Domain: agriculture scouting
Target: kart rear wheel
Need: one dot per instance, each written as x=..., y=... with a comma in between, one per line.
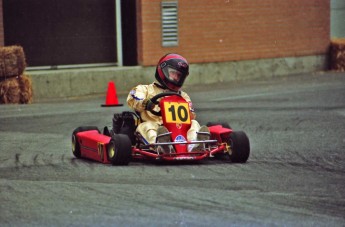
x=75, y=143
x=240, y=147
x=119, y=149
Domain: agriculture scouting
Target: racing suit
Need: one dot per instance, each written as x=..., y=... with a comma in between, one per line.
x=150, y=123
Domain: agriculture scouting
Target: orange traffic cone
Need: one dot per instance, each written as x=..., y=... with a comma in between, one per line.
x=111, y=99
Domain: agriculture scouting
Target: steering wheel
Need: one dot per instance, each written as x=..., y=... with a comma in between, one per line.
x=155, y=98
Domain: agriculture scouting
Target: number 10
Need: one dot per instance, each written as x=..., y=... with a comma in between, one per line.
x=181, y=113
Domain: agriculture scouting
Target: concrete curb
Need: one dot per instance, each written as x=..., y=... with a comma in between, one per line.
x=68, y=83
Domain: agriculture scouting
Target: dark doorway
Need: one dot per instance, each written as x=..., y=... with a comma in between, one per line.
x=129, y=32
x=62, y=32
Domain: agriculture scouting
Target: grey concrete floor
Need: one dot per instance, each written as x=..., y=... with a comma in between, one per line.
x=295, y=175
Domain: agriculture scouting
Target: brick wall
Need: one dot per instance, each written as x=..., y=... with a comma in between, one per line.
x=2, y=39
x=230, y=30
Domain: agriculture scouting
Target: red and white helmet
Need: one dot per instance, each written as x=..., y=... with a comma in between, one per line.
x=171, y=71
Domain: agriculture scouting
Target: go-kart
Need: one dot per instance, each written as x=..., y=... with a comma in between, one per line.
x=121, y=143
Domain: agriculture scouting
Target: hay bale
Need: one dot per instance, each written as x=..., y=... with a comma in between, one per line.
x=16, y=90
x=337, y=52
x=12, y=61
x=25, y=86
x=9, y=91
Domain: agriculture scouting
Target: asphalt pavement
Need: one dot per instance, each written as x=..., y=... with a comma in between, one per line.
x=295, y=175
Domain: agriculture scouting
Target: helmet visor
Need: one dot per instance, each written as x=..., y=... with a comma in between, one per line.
x=174, y=76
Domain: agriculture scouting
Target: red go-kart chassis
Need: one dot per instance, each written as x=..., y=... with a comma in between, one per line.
x=94, y=145
x=117, y=149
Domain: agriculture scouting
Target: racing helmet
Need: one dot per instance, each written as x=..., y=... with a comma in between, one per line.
x=171, y=71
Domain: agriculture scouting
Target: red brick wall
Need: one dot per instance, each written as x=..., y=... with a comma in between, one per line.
x=2, y=39
x=229, y=30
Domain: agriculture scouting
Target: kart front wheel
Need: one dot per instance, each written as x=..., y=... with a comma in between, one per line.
x=119, y=149
x=240, y=147
x=75, y=142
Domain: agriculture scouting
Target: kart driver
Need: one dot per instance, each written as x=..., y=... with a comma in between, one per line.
x=171, y=72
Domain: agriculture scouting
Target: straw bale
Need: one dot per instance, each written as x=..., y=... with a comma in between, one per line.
x=12, y=61
x=16, y=90
x=9, y=91
x=25, y=86
x=337, y=55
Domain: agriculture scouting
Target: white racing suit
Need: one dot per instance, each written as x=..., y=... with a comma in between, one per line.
x=150, y=123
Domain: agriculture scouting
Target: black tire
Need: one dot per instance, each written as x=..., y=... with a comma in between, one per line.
x=240, y=147
x=224, y=124
x=75, y=143
x=119, y=149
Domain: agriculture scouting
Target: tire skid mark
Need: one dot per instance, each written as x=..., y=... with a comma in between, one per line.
x=63, y=158
x=51, y=161
x=331, y=161
x=18, y=161
x=36, y=160
x=55, y=161
x=319, y=162
x=287, y=159
x=4, y=160
x=74, y=162
x=80, y=163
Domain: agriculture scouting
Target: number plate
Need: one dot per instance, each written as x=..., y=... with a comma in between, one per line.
x=177, y=112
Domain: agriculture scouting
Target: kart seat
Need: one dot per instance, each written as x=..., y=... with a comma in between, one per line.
x=126, y=123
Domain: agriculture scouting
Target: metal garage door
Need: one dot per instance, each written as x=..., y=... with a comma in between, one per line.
x=62, y=32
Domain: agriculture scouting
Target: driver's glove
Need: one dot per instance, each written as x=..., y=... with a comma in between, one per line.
x=148, y=104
